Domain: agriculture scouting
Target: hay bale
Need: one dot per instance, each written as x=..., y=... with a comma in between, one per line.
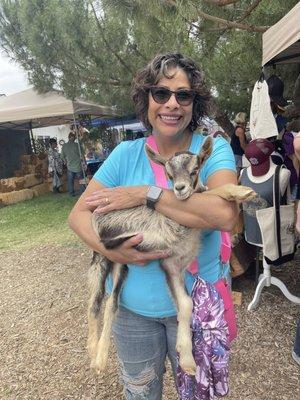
x=19, y=183
x=18, y=172
x=34, y=164
x=40, y=189
x=16, y=196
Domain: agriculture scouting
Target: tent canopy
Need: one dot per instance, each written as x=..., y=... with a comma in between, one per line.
x=31, y=109
x=281, y=42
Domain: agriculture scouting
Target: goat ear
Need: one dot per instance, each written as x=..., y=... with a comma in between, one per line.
x=155, y=157
x=206, y=150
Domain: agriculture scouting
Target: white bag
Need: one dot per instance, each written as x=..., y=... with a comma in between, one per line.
x=277, y=226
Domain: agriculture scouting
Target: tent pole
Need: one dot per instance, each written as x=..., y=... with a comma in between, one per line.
x=32, y=138
x=79, y=149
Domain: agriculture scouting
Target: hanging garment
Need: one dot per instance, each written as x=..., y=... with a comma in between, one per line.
x=210, y=347
x=264, y=199
x=262, y=121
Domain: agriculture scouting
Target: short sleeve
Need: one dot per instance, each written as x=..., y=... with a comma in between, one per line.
x=222, y=158
x=109, y=172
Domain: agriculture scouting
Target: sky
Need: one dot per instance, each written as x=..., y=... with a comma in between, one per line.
x=13, y=78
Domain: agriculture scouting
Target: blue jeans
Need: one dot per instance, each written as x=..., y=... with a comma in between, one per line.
x=71, y=178
x=143, y=344
x=297, y=340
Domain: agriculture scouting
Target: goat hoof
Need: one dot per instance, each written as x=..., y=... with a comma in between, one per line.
x=241, y=193
x=188, y=365
x=101, y=361
x=96, y=367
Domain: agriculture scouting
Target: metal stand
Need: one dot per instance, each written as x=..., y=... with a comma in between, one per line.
x=266, y=279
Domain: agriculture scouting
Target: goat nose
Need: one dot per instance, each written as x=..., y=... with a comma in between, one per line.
x=179, y=186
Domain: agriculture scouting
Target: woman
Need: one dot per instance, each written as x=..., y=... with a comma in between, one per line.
x=238, y=139
x=55, y=165
x=170, y=98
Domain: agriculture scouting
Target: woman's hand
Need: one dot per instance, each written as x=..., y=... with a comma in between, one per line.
x=127, y=254
x=118, y=198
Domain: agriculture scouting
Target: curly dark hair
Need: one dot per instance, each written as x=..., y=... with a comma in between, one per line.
x=160, y=67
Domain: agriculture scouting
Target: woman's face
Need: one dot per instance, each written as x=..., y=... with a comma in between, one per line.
x=170, y=119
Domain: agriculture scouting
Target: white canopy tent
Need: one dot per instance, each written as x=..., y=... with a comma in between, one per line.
x=281, y=42
x=29, y=109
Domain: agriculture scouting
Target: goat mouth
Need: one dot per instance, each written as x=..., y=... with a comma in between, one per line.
x=182, y=196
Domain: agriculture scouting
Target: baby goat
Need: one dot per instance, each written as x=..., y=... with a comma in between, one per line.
x=159, y=233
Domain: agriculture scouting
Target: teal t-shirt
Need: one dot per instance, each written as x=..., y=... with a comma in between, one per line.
x=145, y=289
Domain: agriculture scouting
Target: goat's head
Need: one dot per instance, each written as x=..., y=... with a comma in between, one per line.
x=183, y=168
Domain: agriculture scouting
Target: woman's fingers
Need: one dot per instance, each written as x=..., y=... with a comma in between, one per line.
x=133, y=241
x=142, y=257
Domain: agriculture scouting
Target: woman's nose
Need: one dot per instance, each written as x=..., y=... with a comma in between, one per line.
x=172, y=102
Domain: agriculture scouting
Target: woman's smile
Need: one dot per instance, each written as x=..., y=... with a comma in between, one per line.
x=170, y=119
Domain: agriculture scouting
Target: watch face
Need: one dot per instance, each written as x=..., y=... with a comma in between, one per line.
x=154, y=192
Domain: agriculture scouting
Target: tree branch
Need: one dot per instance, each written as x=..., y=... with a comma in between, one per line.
x=249, y=10
x=120, y=59
x=232, y=24
x=221, y=3
x=223, y=22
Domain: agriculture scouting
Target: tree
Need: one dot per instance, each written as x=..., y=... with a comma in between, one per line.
x=93, y=48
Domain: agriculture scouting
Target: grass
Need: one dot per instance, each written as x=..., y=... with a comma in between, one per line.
x=42, y=220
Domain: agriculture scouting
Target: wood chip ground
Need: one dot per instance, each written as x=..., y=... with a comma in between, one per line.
x=43, y=329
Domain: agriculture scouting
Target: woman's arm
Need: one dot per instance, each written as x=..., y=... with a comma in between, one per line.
x=201, y=210
x=80, y=222
x=240, y=133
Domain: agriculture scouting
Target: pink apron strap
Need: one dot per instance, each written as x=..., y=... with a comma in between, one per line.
x=161, y=181
x=158, y=170
x=225, y=247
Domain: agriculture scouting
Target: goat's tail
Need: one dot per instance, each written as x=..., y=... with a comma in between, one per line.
x=98, y=272
x=111, y=308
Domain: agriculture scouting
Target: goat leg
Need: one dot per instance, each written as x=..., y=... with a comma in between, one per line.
x=111, y=307
x=233, y=192
x=184, y=303
x=98, y=272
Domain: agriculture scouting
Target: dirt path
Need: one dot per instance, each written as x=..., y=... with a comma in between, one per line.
x=43, y=332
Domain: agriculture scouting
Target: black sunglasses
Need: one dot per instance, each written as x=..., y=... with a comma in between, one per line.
x=161, y=95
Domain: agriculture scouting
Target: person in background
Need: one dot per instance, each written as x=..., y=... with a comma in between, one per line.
x=72, y=157
x=92, y=155
x=55, y=165
x=238, y=139
x=278, y=102
x=296, y=349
